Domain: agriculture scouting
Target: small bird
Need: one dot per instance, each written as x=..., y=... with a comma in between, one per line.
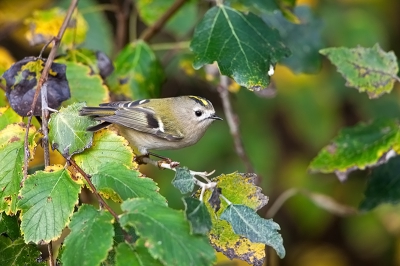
x=156, y=124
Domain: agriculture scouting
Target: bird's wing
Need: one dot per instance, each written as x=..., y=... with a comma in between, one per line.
x=144, y=120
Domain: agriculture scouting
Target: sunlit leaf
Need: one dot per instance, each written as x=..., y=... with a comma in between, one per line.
x=67, y=130
x=239, y=189
x=44, y=25
x=6, y=60
x=125, y=183
x=358, y=147
x=8, y=116
x=367, y=69
x=138, y=73
x=85, y=85
x=166, y=233
x=47, y=201
x=243, y=45
x=90, y=238
x=107, y=148
x=12, y=154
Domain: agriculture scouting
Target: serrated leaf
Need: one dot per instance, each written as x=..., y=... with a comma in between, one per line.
x=383, y=185
x=361, y=146
x=22, y=79
x=12, y=154
x=9, y=225
x=47, y=201
x=8, y=116
x=134, y=256
x=138, y=73
x=19, y=253
x=166, y=233
x=85, y=85
x=126, y=183
x=198, y=216
x=239, y=189
x=107, y=148
x=243, y=46
x=246, y=222
x=67, y=130
x=44, y=25
x=303, y=39
x=183, y=180
x=367, y=69
x=90, y=239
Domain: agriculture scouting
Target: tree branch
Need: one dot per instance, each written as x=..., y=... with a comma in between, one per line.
x=43, y=78
x=151, y=31
x=231, y=118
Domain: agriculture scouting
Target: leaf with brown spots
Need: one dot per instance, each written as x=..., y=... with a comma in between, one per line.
x=367, y=69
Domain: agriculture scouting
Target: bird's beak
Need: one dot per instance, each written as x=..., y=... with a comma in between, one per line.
x=215, y=117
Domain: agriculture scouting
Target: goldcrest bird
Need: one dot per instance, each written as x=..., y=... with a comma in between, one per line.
x=156, y=124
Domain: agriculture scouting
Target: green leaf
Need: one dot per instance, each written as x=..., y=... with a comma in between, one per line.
x=166, y=233
x=259, y=5
x=9, y=225
x=12, y=154
x=47, y=201
x=107, y=148
x=138, y=73
x=239, y=189
x=126, y=183
x=134, y=256
x=67, y=130
x=180, y=23
x=383, y=185
x=19, y=253
x=303, y=39
x=90, y=239
x=85, y=86
x=246, y=222
x=367, y=69
x=98, y=62
x=198, y=216
x=8, y=116
x=243, y=46
x=183, y=180
x=361, y=146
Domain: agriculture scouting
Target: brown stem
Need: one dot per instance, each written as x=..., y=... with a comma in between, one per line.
x=50, y=250
x=121, y=16
x=56, y=43
x=45, y=128
x=94, y=190
x=2, y=86
x=231, y=118
x=151, y=31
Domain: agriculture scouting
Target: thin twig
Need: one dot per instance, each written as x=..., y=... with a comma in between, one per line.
x=151, y=31
x=231, y=118
x=45, y=128
x=122, y=18
x=43, y=79
x=50, y=250
x=280, y=201
x=94, y=190
x=2, y=86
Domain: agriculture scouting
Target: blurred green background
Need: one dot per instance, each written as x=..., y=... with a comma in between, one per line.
x=281, y=135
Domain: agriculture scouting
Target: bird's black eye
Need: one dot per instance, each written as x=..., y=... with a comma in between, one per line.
x=198, y=113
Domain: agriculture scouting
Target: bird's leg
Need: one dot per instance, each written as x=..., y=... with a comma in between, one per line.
x=164, y=160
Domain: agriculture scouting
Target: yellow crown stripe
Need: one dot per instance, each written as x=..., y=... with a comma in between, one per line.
x=200, y=100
